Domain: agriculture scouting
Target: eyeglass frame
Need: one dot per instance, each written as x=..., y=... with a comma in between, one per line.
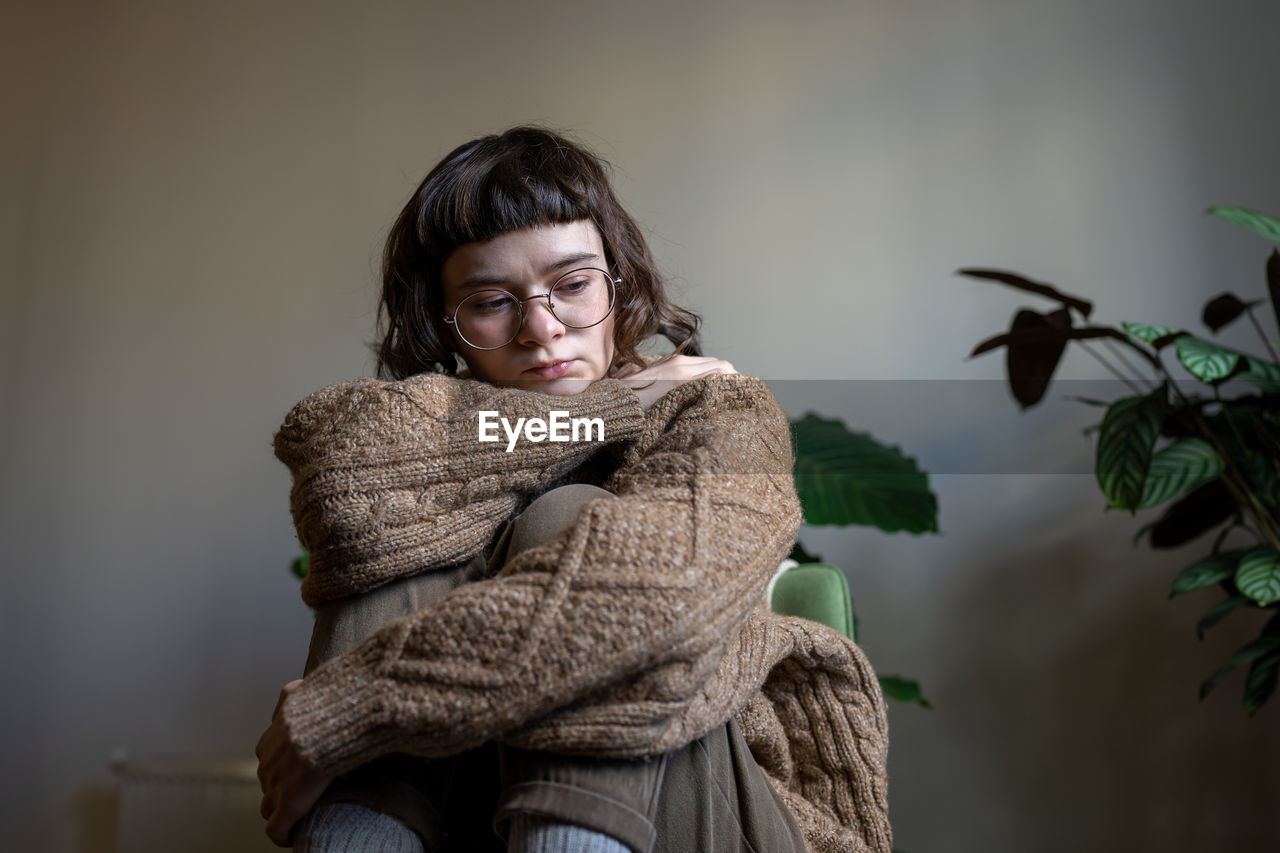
x=452, y=321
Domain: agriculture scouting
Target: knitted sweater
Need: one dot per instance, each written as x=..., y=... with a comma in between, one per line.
x=633, y=633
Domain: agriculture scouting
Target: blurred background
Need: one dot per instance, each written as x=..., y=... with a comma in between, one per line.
x=194, y=198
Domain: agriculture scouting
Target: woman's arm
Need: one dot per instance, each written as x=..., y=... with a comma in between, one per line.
x=391, y=478
x=634, y=605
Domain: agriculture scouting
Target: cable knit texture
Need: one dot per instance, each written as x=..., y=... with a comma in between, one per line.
x=634, y=633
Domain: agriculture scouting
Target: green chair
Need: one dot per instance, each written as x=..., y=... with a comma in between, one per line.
x=816, y=591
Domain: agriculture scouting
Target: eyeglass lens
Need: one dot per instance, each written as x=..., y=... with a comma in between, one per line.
x=492, y=318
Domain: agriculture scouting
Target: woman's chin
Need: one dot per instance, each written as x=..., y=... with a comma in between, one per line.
x=565, y=386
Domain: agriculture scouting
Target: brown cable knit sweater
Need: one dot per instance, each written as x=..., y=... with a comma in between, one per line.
x=634, y=633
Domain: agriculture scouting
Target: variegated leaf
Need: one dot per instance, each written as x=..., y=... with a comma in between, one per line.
x=1258, y=575
x=1206, y=361
x=1178, y=469
x=1129, y=431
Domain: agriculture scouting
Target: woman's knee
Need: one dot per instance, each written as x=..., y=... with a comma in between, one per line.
x=551, y=514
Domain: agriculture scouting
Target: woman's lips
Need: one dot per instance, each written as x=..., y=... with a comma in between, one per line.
x=552, y=371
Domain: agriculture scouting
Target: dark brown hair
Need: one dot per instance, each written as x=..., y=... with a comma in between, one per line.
x=523, y=178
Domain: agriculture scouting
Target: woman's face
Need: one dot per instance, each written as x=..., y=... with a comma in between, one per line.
x=545, y=355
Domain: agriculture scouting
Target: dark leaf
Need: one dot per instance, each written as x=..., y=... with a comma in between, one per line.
x=1164, y=340
x=1260, y=683
x=1201, y=510
x=903, y=690
x=1018, y=282
x=1045, y=336
x=1243, y=370
x=1030, y=365
x=1223, y=309
x=1089, y=401
x=1218, y=612
x=1248, y=653
x=1273, y=282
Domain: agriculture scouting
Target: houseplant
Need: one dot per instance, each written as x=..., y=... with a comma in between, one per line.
x=1212, y=461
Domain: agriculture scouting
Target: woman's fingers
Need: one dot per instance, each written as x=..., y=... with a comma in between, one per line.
x=289, y=785
x=653, y=382
x=682, y=368
x=284, y=692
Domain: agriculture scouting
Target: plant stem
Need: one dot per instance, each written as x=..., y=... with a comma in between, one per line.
x=1114, y=372
x=1237, y=484
x=1222, y=537
x=1116, y=352
x=1268, y=443
x=1261, y=334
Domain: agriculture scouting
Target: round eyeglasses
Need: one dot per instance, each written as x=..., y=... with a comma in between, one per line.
x=491, y=319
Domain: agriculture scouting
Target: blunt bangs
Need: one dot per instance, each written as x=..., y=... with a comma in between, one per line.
x=500, y=188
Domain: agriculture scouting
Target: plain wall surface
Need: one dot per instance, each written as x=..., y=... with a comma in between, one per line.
x=193, y=202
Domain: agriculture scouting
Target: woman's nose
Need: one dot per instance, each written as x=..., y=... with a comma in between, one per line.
x=539, y=323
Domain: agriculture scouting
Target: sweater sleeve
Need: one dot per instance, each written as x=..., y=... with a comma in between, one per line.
x=391, y=478
x=628, y=612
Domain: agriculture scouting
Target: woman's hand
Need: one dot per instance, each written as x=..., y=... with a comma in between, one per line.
x=290, y=786
x=656, y=380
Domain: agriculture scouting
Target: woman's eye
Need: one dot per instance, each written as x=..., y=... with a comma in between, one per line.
x=498, y=303
x=579, y=285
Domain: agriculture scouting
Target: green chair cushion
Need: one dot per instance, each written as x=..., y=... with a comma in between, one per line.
x=816, y=591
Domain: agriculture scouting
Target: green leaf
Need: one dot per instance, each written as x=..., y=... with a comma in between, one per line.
x=1212, y=569
x=1147, y=334
x=903, y=690
x=1258, y=575
x=1264, y=375
x=1218, y=612
x=1259, y=223
x=301, y=564
x=1178, y=469
x=1249, y=652
x=846, y=478
x=1260, y=683
x=1129, y=431
x=1206, y=361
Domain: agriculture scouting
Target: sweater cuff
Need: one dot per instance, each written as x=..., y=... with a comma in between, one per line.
x=338, y=718
x=617, y=403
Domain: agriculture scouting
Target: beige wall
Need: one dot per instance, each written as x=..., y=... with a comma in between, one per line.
x=193, y=200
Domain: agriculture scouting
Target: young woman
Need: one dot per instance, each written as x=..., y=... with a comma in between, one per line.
x=557, y=634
